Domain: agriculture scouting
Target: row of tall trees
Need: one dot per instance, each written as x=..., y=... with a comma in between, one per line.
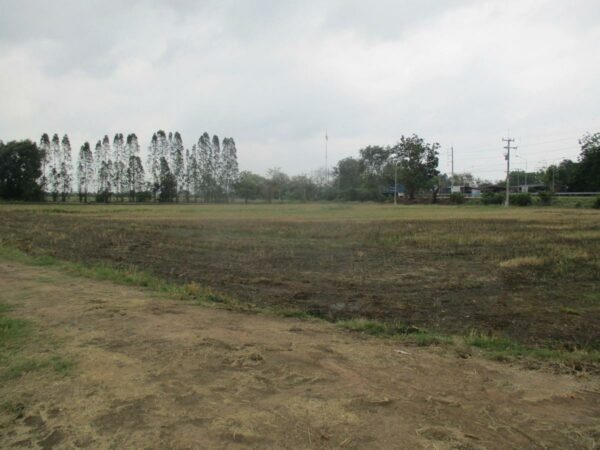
x=57, y=166
x=209, y=171
x=212, y=168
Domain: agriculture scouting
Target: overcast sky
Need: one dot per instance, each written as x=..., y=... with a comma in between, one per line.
x=276, y=74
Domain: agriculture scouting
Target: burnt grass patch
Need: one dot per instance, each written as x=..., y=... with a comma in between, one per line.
x=531, y=277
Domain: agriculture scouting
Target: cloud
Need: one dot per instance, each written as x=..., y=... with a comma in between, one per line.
x=275, y=74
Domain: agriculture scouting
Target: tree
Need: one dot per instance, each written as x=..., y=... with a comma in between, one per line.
x=192, y=172
x=562, y=177
x=66, y=168
x=85, y=172
x=54, y=167
x=205, y=162
x=217, y=169
x=303, y=188
x=438, y=183
x=277, y=182
x=417, y=162
x=20, y=170
x=348, y=178
x=229, y=167
x=44, y=148
x=178, y=162
x=134, y=168
x=167, y=183
x=153, y=164
x=249, y=185
x=135, y=177
x=588, y=168
x=119, y=174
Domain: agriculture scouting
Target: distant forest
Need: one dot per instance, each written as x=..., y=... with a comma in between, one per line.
x=113, y=171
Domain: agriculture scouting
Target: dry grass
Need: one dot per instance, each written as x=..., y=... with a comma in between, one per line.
x=517, y=273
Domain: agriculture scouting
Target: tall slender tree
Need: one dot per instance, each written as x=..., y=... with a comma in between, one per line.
x=66, y=168
x=85, y=172
x=205, y=166
x=54, y=167
x=44, y=148
x=192, y=170
x=135, y=177
x=217, y=166
x=230, y=168
x=119, y=166
x=177, y=162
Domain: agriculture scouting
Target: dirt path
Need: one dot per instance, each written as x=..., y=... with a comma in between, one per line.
x=159, y=374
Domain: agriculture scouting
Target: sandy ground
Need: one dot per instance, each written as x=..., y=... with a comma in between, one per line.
x=152, y=373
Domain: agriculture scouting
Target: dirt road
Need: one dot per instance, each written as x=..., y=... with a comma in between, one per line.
x=153, y=373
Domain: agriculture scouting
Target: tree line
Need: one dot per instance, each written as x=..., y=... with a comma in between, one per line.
x=208, y=172
x=115, y=171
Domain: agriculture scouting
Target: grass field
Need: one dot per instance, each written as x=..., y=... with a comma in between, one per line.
x=517, y=277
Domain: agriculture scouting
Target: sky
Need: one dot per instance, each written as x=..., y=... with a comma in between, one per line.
x=277, y=75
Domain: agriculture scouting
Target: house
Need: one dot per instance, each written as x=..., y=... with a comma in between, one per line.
x=389, y=190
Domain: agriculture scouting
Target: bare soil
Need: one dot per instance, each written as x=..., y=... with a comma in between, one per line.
x=153, y=373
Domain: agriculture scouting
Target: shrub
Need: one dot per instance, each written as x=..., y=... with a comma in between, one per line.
x=596, y=203
x=521, y=199
x=545, y=198
x=491, y=198
x=457, y=198
x=144, y=196
x=103, y=197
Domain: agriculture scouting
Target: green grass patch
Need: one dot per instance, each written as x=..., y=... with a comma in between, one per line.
x=504, y=349
x=16, y=335
x=407, y=333
x=12, y=331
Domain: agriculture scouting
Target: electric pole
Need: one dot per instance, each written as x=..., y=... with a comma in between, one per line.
x=507, y=156
x=452, y=168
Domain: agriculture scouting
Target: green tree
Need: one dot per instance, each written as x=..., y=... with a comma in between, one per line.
x=417, y=162
x=249, y=186
x=85, y=172
x=167, y=183
x=276, y=185
x=587, y=173
x=561, y=177
x=66, y=168
x=20, y=169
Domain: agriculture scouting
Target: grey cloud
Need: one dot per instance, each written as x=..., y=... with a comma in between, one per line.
x=275, y=74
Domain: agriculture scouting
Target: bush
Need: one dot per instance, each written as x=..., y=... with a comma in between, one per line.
x=521, y=199
x=103, y=196
x=596, y=203
x=457, y=198
x=144, y=196
x=545, y=198
x=491, y=198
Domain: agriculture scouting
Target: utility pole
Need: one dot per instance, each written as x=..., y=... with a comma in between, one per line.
x=452, y=159
x=452, y=168
x=507, y=156
x=396, y=182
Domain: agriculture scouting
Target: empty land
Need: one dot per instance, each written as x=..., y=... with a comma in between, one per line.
x=530, y=275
